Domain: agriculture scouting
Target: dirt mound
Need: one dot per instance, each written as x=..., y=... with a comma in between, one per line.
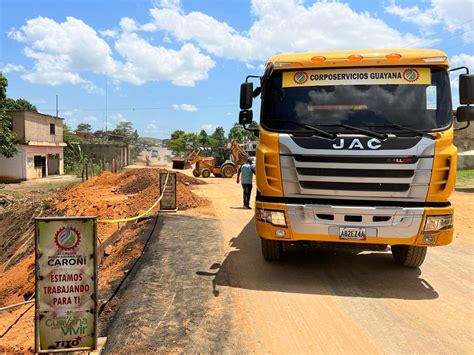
x=108, y=196
x=140, y=179
x=123, y=195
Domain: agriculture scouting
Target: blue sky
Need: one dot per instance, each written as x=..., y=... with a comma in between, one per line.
x=167, y=65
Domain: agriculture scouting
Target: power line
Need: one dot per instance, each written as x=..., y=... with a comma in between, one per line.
x=446, y=30
x=460, y=45
x=135, y=108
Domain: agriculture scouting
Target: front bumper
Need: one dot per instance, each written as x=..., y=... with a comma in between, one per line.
x=383, y=225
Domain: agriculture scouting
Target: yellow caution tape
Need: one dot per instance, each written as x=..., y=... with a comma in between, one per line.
x=140, y=215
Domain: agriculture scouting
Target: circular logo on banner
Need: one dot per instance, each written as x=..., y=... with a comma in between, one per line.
x=67, y=238
x=410, y=75
x=300, y=77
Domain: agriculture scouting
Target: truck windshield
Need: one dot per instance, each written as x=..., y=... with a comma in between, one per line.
x=375, y=98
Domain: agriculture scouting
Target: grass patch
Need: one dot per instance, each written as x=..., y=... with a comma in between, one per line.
x=465, y=178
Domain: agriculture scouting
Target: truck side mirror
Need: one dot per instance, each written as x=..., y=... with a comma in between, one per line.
x=257, y=91
x=466, y=89
x=246, y=95
x=465, y=113
x=245, y=117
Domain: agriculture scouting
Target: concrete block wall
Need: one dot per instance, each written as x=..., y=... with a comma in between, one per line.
x=464, y=140
x=107, y=152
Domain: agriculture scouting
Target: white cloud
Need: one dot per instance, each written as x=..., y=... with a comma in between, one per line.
x=10, y=68
x=61, y=52
x=147, y=62
x=423, y=18
x=209, y=128
x=250, y=66
x=152, y=126
x=185, y=107
x=128, y=25
x=457, y=15
x=453, y=15
x=463, y=60
x=290, y=26
x=118, y=118
x=91, y=88
x=459, y=60
x=109, y=33
x=148, y=27
x=67, y=113
x=153, y=129
x=170, y=4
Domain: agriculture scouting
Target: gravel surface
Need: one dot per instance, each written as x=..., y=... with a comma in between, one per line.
x=169, y=303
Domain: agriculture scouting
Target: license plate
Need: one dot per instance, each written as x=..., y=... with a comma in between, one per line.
x=352, y=233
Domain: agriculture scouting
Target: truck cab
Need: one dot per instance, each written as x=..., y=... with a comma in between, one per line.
x=356, y=147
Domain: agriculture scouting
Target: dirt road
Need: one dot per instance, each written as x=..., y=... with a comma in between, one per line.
x=326, y=301
x=227, y=298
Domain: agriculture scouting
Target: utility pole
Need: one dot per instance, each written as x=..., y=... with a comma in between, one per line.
x=106, y=91
x=57, y=107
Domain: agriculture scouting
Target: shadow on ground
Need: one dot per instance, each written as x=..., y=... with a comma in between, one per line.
x=465, y=189
x=316, y=271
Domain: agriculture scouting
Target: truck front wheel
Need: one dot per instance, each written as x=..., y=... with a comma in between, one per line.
x=409, y=255
x=271, y=249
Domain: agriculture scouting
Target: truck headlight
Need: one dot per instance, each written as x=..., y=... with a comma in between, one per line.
x=277, y=218
x=438, y=223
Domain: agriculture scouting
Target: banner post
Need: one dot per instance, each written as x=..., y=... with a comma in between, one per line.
x=66, y=284
x=168, y=202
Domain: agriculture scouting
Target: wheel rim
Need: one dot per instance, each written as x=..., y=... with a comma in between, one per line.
x=228, y=172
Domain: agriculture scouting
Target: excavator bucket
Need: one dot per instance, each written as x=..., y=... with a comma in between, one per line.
x=179, y=163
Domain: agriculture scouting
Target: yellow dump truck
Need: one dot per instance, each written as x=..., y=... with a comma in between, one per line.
x=356, y=147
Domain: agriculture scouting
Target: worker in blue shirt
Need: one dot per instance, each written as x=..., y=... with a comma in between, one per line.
x=246, y=170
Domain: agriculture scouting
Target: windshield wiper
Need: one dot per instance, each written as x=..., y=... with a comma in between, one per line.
x=420, y=133
x=367, y=132
x=320, y=132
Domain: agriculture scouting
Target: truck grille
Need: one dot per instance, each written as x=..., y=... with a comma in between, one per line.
x=356, y=172
x=371, y=175
x=353, y=186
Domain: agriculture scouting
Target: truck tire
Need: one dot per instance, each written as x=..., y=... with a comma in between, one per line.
x=206, y=173
x=409, y=255
x=196, y=173
x=227, y=171
x=271, y=249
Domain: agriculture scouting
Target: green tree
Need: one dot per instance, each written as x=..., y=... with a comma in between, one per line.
x=126, y=130
x=242, y=135
x=182, y=142
x=99, y=133
x=3, y=88
x=83, y=127
x=219, y=139
x=204, y=140
x=177, y=134
x=68, y=135
x=7, y=136
x=19, y=104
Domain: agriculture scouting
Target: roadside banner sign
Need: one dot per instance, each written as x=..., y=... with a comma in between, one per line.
x=66, y=284
x=168, y=201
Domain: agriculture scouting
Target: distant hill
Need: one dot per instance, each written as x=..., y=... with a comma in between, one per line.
x=149, y=140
